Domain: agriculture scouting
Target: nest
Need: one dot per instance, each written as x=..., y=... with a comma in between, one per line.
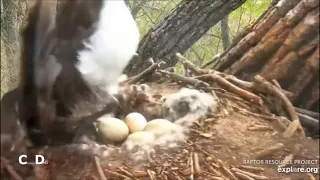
x=242, y=139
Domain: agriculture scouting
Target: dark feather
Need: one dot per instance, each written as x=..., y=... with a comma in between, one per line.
x=33, y=40
x=51, y=84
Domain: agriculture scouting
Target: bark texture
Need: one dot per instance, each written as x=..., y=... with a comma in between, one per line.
x=283, y=44
x=180, y=30
x=225, y=33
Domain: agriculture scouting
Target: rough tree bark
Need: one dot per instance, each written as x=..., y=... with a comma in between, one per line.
x=12, y=13
x=225, y=33
x=180, y=30
x=283, y=44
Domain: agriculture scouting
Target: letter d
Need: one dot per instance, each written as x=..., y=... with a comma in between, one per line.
x=37, y=159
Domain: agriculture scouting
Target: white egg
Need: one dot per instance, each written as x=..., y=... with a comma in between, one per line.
x=112, y=129
x=135, y=122
x=159, y=126
x=141, y=137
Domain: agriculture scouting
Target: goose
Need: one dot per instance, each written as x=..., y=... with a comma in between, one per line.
x=71, y=64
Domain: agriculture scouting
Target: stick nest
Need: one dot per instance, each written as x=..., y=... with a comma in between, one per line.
x=221, y=146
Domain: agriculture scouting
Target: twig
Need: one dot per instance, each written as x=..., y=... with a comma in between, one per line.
x=115, y=174
x=177, y=176
x=251, y=168
x=213, y=176
x=10, y=169
x=266, y=117
x=100, y=171
x=191, y=166
x=160, y=170
x=140, y=174
x=268, y=151
x=228, y=95
x=259, y=128
x=172, y=175
x=295, y=124
x=215, y=58
x=193, y=68
x=215, y=96
x=186, y=80
x=147, y=71
x=277, y=102
x=216, y=178
x=243, y=176
x=150, y=173
x=292, y=128
x=276, y=83
x=186, y=71
x=197, y=168
x=226, y=170
x=308, y=113
x=308, y=121
x=126, y=172
x=214, y=171
x=249, y=174
x=249, y=85
x=239, y=82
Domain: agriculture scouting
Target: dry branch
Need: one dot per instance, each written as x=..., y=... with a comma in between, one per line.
x=226, y=170
x=140, y=174
x=197, y=167
x=192, y=67
x=214, y=59
x=251, y=168
x=254, y=176
x=126, y=172
x=308, y=121
x=244, y=176
x=186, y=80
x=231, y=87
x=269, y=151
x=266, y=117
x=238, y=86
x=259, y=128
x=191, y=166
x=295, y=125
x=121, y=176
x=241, y=88
x=100, y=171
x=308, y=113
x=249, y=85
x=144, y=73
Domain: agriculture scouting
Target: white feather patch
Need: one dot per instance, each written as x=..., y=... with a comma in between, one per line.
x=111, y=46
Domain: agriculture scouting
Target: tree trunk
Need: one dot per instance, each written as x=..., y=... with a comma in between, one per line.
x=225, y=33
x=283, y=45
x=10, y=23
x=180, y=30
